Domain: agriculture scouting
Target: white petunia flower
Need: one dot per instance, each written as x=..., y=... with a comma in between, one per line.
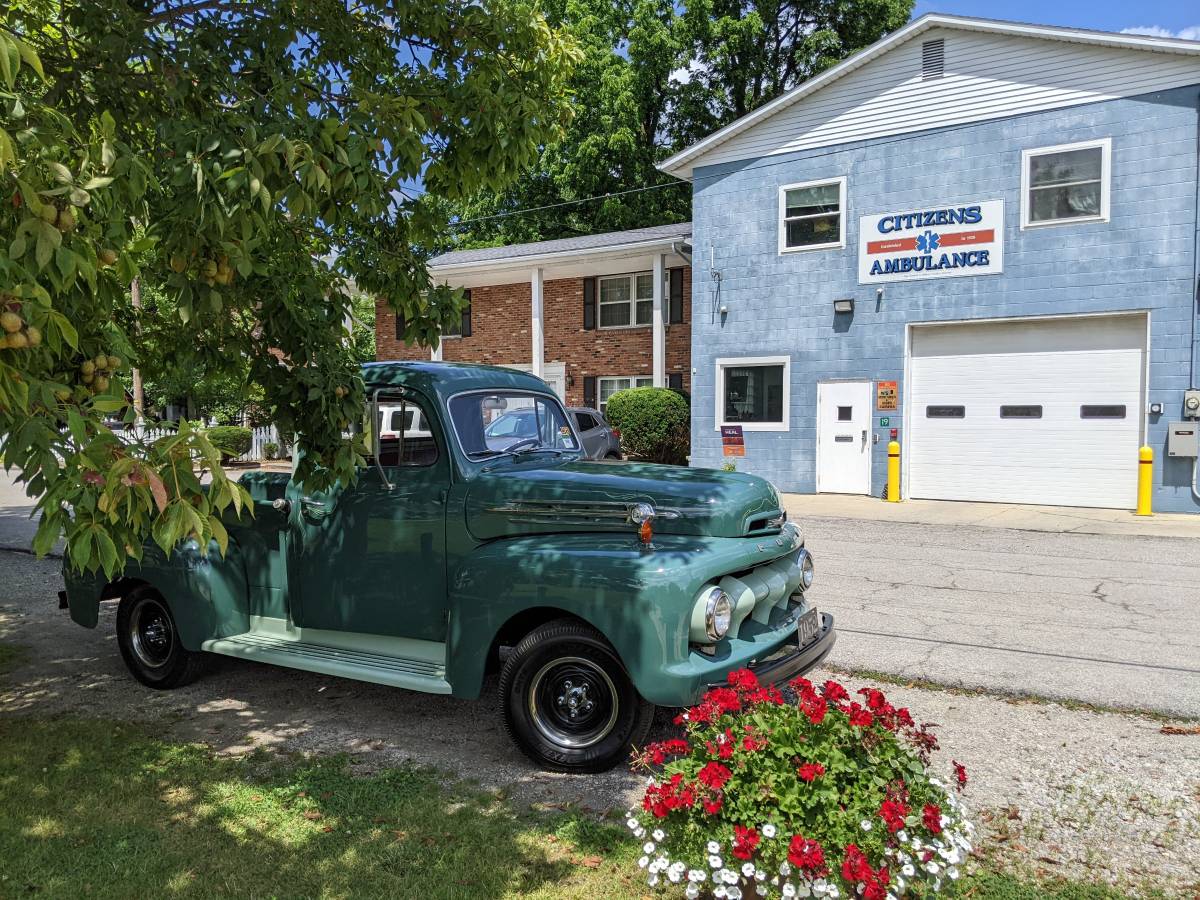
x=714, y=847
x=643, y=862
x=785, y=870
x=719, y=891
x=760, y=875
x=733, y=893
x=908, y=870
x=832, y=891
x=697, y=875
x=748, y=870
x=761, y=890
x=639, y=833
x=932, y=868
x=673, y=874
x=729, y=876
x=768, y=831
x=902, y=835
x=653, y=880
x=866, y=824
x=692, y=892
x=648, y=847
x=901, y=884
x=658, y=834
x=789, y=890
x=953, y=873
x=632, y=823
x=714, y=861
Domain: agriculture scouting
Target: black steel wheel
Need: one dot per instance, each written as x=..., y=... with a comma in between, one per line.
x=569, y=703
x=149, y=642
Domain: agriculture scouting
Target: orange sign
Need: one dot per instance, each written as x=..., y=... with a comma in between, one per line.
x=732, y=442
x=887, y=394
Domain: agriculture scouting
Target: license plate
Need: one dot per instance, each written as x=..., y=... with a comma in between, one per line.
x=808, y=628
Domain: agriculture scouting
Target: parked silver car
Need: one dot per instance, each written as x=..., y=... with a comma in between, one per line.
x=600, y=440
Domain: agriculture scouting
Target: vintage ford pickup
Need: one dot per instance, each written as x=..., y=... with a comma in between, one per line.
x=597, y=590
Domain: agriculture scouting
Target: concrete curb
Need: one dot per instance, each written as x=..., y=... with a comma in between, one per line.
x=9, y=548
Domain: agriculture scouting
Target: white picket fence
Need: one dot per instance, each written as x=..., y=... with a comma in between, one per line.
x=259, y=438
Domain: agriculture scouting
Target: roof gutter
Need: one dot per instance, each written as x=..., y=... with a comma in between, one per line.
x=566, y=255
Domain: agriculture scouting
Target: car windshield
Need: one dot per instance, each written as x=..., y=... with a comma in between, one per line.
x=489, y=424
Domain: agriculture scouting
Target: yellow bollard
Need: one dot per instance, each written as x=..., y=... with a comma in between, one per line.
x=1145, y=480
x=893, y=482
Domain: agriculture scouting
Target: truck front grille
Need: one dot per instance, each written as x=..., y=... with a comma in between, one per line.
x=761, y=595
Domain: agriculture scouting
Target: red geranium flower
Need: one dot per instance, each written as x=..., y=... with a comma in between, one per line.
x=712, y=805
x=807, y=856
x=725, y=699
x=862, y=718
x=745, y=840
x=810, y=771
x=743, y=679
x=834, y=692
x=932, y=816
x=893, y=812
x=960, y=773
x=714, y=775
x=753, y=742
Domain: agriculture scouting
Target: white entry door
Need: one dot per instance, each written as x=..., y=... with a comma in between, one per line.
x=844, y=437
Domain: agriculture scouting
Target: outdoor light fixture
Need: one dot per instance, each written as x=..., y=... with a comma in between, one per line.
x=844, y=306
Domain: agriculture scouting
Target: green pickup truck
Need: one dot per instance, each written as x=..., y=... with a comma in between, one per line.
x=597, y=590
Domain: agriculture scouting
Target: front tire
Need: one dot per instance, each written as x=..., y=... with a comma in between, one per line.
x=568, y=702
x=149, y=642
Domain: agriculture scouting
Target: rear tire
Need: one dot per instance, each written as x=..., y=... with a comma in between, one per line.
x=149, y=642
x=614, y=455
x=568, y=702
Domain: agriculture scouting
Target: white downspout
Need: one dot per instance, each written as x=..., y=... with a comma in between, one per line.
x=538, y=348
x=659, y=323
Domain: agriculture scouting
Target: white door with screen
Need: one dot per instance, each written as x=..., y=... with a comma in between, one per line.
x=1040, y=412
x=844, y=437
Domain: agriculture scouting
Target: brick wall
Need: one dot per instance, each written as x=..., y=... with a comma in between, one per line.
x=500, y=335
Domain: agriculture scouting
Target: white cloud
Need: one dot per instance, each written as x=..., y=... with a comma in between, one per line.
x=1191, y=33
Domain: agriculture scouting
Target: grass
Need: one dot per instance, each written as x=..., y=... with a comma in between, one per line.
x=11, y=656
x=100, y=809
x=104, y=810
x=1014, y=697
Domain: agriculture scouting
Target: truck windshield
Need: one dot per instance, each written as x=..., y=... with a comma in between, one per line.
x=491, y=424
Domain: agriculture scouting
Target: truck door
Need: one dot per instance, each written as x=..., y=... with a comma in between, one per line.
x=371, y=557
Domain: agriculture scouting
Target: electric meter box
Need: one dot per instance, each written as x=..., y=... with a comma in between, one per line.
x=1181, y=439
x=1191, y=404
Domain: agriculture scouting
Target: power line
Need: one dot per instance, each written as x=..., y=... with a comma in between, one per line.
x=533, y=209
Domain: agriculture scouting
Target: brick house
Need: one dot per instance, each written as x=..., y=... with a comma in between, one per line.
x=591, y=314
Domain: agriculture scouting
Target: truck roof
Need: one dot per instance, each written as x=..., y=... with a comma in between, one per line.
x=445, y=379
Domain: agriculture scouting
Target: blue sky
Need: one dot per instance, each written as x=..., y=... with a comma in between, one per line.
x=1179, y=18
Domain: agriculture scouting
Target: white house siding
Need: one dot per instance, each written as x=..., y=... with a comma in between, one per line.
x=987, y=76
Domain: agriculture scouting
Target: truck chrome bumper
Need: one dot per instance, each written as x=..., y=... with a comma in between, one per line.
x=788, y=662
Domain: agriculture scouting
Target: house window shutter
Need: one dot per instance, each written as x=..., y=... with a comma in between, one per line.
x=589, y=305
x=589, y=391
x=675, y=381
x=676, y=296
x=401, y=323
x=466, y=316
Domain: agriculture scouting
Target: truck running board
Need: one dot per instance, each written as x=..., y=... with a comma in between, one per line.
x=270, y=646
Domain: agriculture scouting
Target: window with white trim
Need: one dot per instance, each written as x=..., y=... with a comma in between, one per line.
x=754, y=392
x=609, y=384
x=626, y=300
x=1069, y=183
x=812, y=215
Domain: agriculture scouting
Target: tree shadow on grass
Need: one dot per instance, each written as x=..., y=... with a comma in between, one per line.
x=97, y=808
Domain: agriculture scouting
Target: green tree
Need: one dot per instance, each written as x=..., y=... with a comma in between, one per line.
x=656, y=77
x=226, y=150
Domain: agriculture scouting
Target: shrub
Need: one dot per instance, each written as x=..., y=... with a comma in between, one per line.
x=655, y=423
x=271, y=450
x=823, y=797
x=231, y=440
x=729, y=466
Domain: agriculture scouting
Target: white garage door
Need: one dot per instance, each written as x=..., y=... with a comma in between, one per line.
x=1043, y=412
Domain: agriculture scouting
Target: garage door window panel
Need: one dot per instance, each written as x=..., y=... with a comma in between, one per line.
x=1017, y=411
x=753, y=393
x=1066, y=184
x=812, y=215
x=1101, y=411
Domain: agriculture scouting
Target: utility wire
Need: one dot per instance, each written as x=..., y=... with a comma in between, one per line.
x=533, y=209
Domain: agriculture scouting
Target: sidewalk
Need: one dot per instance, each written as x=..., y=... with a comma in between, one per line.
x=1053, y=519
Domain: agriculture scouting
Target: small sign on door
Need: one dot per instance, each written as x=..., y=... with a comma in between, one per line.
x=732, y=443
x=887, y=394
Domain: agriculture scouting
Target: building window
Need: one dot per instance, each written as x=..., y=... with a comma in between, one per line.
x=812, y=215
x=1063, y=184
x=610, y=384
x=754, y=392
x=945, y=412
x=463, y=327
x=626, y=300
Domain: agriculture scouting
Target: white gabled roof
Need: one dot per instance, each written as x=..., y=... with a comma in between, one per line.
x=1068, y=93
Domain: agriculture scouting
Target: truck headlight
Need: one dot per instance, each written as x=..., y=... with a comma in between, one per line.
x=807, y=569
x=712, y=614
x=718, y=613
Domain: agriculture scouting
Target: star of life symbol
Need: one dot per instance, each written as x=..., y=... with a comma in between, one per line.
x=928, y=242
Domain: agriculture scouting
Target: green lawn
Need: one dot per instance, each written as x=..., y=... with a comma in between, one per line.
x=99, y=809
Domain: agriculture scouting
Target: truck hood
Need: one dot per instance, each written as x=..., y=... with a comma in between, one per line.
x=575, y=496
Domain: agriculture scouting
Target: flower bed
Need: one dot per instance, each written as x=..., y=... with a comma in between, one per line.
x=822, y=797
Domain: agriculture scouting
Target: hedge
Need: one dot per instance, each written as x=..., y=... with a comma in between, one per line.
x=655, y=424
x=231, y=440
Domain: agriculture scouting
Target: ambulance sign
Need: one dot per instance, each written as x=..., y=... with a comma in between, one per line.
x=938, y=242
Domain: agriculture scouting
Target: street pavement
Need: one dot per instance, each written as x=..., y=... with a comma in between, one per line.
x=1107, y=619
